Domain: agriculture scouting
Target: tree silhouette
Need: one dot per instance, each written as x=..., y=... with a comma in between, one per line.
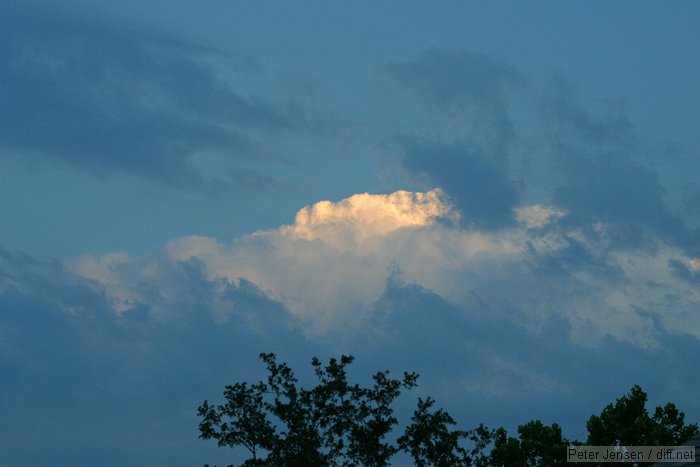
x=430, y=441
x=627, y=423
x=335, y=423
x=537, y=444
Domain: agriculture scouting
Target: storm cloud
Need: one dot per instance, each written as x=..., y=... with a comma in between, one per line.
x=113, y=98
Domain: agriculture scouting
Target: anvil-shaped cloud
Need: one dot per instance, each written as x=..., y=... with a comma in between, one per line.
x=331, y=266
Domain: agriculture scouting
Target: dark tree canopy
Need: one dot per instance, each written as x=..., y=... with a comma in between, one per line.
x=337, y=423
x=625, y=423
x=628, y=423
x=537, y=444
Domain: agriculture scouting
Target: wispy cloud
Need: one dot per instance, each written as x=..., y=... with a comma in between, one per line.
x=601, y=177
x=469, y=87
x=112, y=98
x=582, y=159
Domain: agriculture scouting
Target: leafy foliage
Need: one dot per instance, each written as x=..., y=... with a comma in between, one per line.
x=538, y=444
x=430, y=441
x=625, y=423
x=333, y=424
x=628, y=423
x=337, y=423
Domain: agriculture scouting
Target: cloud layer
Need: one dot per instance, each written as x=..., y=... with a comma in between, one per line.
x=330, y=267
x=108, y=98
x=504, y=325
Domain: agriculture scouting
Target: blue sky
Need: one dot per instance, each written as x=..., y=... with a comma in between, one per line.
x=501, y=196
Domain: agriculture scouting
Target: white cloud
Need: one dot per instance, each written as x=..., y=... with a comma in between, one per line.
x=362, y=217
x=331, y=265
x=106, y=270
x=537, y=216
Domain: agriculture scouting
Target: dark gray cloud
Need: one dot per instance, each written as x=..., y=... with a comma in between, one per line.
x=600, y=177
x=682, y=270
x=107, y=97
x=467, y=85
x=691, y=199
x=489, y=368
x=122, y=388
x=471, y=90
x=81, y=384
x=565, y=116
x=479, y=187
x=614, y=188
x=596, y=173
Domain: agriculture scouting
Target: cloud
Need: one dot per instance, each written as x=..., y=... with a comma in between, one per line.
x=483, y=366
x=345, y=241
x=468, y=94
x=100, y=379
x=566, y=116
x=586, y=159
x=329, y=269
x=691, y=199
x=536, y=216
x=465, y=85
x=479, y=187
x=116, y=98
x=600, y=176
x=366, y=216
x=503, y=326
x=511, y=305
x=612, y=187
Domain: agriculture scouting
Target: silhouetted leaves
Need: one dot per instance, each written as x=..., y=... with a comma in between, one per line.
x=334, y=423
x=537, y=444
x=430, y=441
x=337, y=423
x=625, y=423
x=628, y=423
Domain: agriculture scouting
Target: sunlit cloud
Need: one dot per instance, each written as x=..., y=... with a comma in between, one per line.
x=364, y=216
x=694, y=264
x=330, y=267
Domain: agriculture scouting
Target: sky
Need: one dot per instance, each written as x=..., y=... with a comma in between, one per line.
x=501, y=196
